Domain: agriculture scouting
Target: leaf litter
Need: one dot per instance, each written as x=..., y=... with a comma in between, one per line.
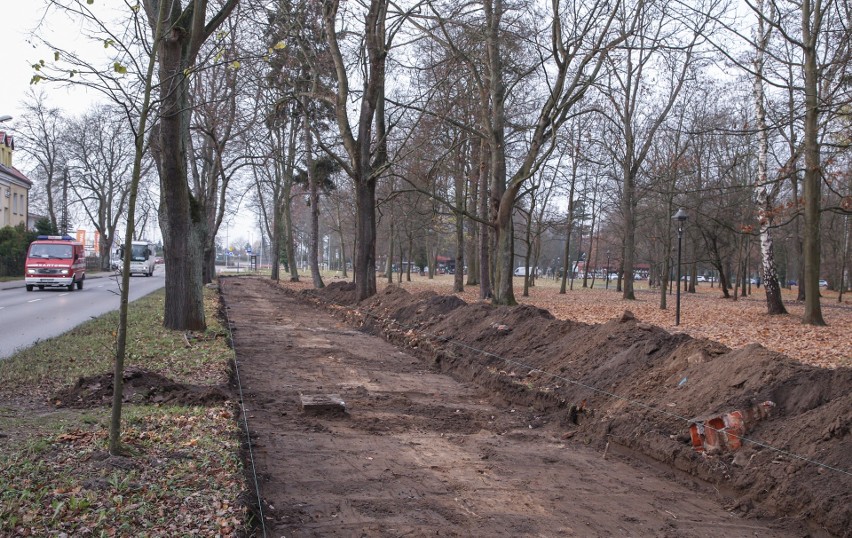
x=628, y=380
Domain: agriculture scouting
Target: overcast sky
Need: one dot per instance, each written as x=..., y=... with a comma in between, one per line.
x=16, y=24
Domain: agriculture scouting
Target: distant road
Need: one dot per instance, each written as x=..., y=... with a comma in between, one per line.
x=27, y=317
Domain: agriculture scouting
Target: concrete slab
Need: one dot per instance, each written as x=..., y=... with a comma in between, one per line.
x=322, y=404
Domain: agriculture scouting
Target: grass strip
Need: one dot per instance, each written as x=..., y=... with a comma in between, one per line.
x=183, y=475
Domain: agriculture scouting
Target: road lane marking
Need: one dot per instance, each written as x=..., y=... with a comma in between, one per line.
x=34, y=301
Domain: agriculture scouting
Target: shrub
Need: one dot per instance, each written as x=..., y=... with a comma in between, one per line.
x=14, y=241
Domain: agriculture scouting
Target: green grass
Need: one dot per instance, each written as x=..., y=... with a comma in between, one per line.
x=89, y=349
x=183, y=475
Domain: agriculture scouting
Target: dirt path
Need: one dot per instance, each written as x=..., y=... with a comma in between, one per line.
x=418, y=453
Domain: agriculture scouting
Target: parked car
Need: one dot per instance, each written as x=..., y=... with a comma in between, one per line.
x=701, y=278
x=524, y=271
x=159, y=260
x=823, y=283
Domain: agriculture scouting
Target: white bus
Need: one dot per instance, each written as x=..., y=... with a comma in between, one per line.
x=142, y=258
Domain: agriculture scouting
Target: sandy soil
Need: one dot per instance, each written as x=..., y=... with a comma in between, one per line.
x=445, y=435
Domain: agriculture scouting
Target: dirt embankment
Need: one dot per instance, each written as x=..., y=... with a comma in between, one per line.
x=640, y=388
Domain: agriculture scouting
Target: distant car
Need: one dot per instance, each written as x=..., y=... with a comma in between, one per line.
x=701, y=278
x=159, y=260
x=792, y=283
x=823, y=283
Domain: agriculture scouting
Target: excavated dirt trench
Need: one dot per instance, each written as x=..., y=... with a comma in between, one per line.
x=471, y=420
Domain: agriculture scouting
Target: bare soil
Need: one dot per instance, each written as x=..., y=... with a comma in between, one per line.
x=472, y=420
x=139, y=386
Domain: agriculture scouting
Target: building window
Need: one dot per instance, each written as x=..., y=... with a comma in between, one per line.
x=15, y=203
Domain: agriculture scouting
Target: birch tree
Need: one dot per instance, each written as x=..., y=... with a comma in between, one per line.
x=767, y=192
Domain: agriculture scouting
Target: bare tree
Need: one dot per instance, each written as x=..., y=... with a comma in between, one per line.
x=219, y=122
x=650, y=67
x=814, y=55
x=365, y=162
x=767, y=192
x=577, y=51
x=184, y=226
x=42, y=128
x=100, y=142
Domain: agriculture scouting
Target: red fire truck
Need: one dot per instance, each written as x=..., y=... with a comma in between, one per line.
x=55, y=260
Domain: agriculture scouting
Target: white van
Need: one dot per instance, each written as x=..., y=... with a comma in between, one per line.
x=142, y=258
x=524, y=271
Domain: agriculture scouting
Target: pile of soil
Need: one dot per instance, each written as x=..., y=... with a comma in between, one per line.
x=639, y=388
x=140, y=387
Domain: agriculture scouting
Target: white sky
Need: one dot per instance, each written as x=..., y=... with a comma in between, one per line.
x=17, y=22
x=14, y=67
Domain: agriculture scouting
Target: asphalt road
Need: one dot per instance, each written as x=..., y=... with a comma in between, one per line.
x=27, y=317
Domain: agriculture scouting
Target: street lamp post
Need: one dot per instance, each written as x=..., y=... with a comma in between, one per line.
x=680, y=217
x=65, y=202
x=5, y=117
x=64, y=223
x=607, y=270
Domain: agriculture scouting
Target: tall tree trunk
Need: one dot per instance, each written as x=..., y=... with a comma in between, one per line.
x=284, y=168
x=502, y=199
x=484, y=228
x=472, y=202
x=765, y=196
x=576, y=265
x=591, y=236
x=811, y=22
x=365, y=251
x=410, y=257
x=289, y=236
x=665, y=276
x=844, y=281
x=460, y=181
x=362, y=167
x=529, y=271
x=313, y=255
x=401, y=258
x=181, y=219
x=504, y=294
x=628, y=211
x=458, y=276
x=569, y=229
x=275, y=247
x=343, y=268
x=121, y=338
x=389, y=262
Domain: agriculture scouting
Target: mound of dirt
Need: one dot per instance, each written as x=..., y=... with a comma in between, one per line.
x=642, y=389
x=340, y=292
x=140, y=387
